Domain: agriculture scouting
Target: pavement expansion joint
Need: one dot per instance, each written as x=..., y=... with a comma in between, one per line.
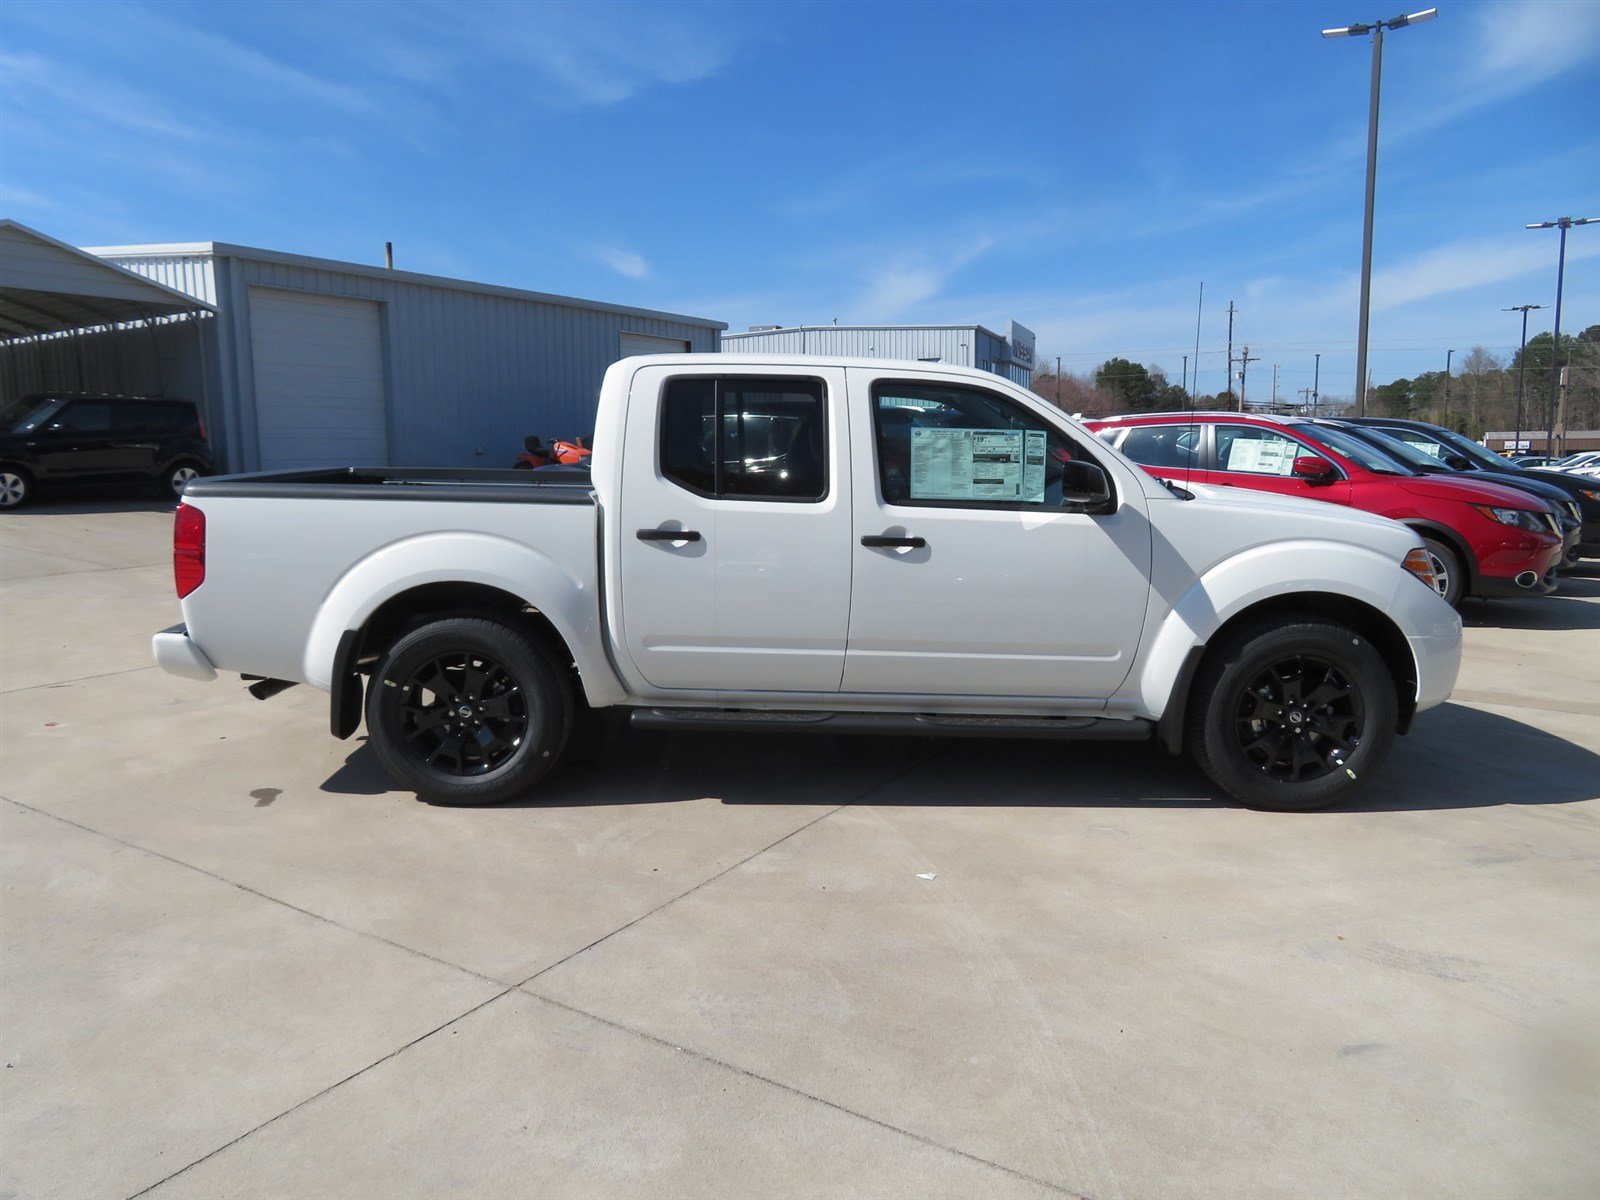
x=256, y=892
x=34, y=687
x=744, y=1072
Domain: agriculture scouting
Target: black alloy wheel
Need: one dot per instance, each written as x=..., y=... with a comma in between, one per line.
x=463, y=714
x=1292, y=713
x=469, y=710
x=1300, y=719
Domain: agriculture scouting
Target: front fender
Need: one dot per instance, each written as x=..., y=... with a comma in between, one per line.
x=570, y=604
x=1261, y=573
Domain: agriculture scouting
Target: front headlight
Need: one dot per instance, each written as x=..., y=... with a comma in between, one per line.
x=1517, y=518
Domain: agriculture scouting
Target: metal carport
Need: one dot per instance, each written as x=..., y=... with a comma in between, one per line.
x=72, y=322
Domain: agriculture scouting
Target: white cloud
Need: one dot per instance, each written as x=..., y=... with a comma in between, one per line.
x=911, y=278
x=1537, y=40
x=624, y=262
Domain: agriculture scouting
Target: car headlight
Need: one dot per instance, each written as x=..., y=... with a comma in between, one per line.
x=1517, y=518
x=1591, y=493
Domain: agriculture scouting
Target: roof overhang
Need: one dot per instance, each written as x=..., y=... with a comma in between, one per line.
x=47, y=286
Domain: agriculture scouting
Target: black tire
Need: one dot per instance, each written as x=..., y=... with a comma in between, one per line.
x=468, y=711
x=178, y=476
x=1449, y=571
x=16, y=488
x=1292, y=714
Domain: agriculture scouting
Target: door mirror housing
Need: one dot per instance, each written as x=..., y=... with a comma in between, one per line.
x=1085, y=484
x=1314, y=470
x=1457, y=462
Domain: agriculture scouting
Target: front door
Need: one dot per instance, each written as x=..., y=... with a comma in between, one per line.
x=1262, y=459
x=734, y=532
x=971, y=576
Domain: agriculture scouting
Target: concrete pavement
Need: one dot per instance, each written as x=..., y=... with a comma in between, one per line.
x=237, y=964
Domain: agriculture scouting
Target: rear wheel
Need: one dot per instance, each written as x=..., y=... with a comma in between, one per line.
x=1449, y=577
x=1293, y=714
x=15, y=487
x=468, y=711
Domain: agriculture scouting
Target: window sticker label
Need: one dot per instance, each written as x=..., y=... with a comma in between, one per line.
x=977, y=464
x=1263, y=456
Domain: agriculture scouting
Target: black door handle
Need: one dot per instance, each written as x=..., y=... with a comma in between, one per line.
x=668, y=535
x=877, y=540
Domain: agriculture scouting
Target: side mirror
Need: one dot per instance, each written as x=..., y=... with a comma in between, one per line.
x=1314, y=470
x=1085, y=483
x=1457, y=463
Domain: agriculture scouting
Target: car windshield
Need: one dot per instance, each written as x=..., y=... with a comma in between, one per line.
x=1379, y=462
x=1419, y=461
x=28, y=414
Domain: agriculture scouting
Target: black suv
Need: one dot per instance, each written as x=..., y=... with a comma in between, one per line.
x=61, y=437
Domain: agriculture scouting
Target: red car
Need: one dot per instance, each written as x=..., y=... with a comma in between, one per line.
x=1485, y=540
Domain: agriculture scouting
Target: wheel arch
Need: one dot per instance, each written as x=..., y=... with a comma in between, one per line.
x=1357, y=615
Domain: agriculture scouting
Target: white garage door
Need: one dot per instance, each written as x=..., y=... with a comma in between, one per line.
x=319, y=380
x=644, y=343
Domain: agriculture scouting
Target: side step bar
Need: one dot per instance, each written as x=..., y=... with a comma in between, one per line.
x=1097, y=729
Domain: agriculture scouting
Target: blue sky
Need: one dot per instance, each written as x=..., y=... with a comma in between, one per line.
x=1078, y=167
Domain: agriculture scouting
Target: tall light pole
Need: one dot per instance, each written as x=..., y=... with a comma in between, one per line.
x=1316, y=384
x=1522, y=364
x=1563, y=224
x=1448, y=355
x=1376, y=29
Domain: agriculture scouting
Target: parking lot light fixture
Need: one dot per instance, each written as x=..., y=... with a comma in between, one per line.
x=1376, y=30
x=1563, y=224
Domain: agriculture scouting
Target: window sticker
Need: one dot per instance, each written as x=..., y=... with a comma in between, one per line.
x=977, y=464
x=1263, y=456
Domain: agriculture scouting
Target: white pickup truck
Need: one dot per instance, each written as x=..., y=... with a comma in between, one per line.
x=836, y=545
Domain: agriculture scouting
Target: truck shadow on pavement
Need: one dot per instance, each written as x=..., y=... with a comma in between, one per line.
x=1457, y=757
x=84, y=501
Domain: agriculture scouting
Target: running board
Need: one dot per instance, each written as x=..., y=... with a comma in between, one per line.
x=1097, y=729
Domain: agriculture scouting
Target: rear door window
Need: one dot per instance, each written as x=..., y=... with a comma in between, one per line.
x=1173, y=447
x=757, y=438
x=84, y=417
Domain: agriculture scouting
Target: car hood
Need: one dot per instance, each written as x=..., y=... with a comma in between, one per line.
x=1233, y=497
x=1473, y=491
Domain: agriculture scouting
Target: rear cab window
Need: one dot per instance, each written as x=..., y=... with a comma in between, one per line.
x=755, y=438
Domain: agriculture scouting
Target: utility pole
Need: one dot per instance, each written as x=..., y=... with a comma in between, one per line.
x=1448, y=355
x=1245, y=359
x=1230, y=351
x=1522, y=366
x=1563, y=224
x=1058, y=381
x=1199, y=308
x=1274, y=387
x=1186, y=392
x=1316, y=382
x=1305, y=400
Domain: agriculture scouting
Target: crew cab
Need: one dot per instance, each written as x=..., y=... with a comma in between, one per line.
x=1483, y=539
x=817, y=544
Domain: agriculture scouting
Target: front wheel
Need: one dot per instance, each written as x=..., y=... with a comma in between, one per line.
x=468, y=711
x=1293, y=714
x=1449, y=579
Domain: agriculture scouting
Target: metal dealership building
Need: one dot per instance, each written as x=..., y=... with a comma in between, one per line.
x=301, y=361
x=964, y=345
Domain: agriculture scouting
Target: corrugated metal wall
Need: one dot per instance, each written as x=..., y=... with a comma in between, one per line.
x=469, y=372
x=147, y=360
x=952, y=345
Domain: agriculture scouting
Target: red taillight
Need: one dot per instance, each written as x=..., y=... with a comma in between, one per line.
x=188, y=549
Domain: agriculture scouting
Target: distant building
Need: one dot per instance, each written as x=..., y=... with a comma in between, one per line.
x=301, y=361
x=963, y=345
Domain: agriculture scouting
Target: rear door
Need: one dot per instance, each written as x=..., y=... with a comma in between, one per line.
x=79, y=441
x=734, y=537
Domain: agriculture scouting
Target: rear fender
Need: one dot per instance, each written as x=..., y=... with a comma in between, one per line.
x=571, y=606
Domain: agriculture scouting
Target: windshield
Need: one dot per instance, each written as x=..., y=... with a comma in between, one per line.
x=1379, y=462
x=28, y=414
x=1419, y=461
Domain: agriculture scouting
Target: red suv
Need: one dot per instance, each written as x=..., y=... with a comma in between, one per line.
x=1485, y=540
